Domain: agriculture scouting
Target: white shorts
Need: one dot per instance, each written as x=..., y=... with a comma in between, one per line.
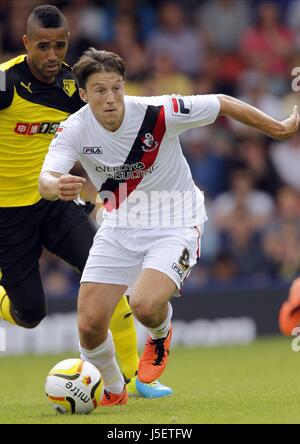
x=118, y=255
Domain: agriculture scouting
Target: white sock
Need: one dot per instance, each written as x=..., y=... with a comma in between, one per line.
x=103, y=357
x=162, y=330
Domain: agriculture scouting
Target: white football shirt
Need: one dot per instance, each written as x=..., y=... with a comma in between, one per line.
x=139, y=170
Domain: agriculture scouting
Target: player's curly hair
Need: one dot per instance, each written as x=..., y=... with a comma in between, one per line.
x=93, y=61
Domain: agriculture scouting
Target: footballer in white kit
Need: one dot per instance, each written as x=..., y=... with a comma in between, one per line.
x=153, y=210
x=154, y=213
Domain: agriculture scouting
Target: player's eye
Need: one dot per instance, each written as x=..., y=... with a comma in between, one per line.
x=61, y=45
x=43, y=46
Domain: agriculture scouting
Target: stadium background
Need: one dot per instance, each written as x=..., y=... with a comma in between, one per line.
x=251, y=246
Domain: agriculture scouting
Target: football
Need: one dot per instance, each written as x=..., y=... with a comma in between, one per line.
x=73, y=386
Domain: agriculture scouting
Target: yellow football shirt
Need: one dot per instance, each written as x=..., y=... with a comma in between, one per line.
x=30, y=113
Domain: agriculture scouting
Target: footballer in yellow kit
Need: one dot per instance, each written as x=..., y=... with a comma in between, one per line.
x=40, y=92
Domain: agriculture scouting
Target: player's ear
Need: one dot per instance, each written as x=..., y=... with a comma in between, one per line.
x=25, y=41
x=83, y=95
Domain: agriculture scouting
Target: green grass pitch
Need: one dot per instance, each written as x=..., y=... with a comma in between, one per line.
x=258, y=383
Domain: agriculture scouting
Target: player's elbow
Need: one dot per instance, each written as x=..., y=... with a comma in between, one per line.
x=225, y=104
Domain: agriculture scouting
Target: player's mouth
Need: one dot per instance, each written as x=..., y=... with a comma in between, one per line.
x=52, y=67
x=110, y=110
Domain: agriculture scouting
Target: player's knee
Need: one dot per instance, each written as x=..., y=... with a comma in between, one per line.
x=143, y=311
x=29, y=319
x=90, y=329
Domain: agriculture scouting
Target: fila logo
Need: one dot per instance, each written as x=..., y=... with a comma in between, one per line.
x=28, y=87
x=181, y=106
x=92, y=150
x=178, y=270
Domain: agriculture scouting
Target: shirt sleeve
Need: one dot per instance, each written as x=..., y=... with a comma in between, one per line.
x=63, y=150
x=184, y=112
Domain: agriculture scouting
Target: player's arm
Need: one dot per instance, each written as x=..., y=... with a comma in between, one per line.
x=251, y=116
x=55, y=182
x=53, y=186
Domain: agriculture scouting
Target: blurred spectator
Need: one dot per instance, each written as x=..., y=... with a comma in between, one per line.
x=242, y=245
x=176, y=37
x=267, y=46
x=254, y=89
x=242, y=197
x=220, y=71
x=208, y=166
x=279, y=236
x=281, y=246
x=286, y=160
x=93, y=20
x=254, y=152
x=143, y=10
x=204, y=84
x=126, y=44
x=224, y=22
x=224, y=269
x=16, y=24
x=79, y=42
x=165, y=79
x=293, y=19
x=288, y=208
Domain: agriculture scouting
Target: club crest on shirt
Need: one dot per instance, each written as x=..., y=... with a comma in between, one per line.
x=69, y=86
x=149, y=144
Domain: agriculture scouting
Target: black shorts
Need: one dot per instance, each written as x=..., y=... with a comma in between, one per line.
x=25, y=230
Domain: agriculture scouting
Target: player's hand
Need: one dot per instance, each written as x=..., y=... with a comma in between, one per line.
x=68, y=186
x=290, y=125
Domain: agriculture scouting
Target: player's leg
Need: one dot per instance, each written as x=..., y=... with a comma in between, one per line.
x=22, y=299
x=125, y=339
x=73, y=247
x=168, y=261
x=96, y=303
x=151, y=306
x=5, y=307
x=25, y=305
x=108, y=272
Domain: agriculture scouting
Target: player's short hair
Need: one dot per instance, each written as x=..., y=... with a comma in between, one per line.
x=93, y=61
x=46, y=16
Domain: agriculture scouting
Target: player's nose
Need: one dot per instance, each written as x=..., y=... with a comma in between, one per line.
x=52, y=56
x=110, y=96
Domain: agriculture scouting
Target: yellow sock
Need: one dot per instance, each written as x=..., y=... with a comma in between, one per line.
x=5, y=307
x=124, y=334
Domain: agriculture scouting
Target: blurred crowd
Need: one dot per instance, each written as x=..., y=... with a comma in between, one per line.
x=245, y=48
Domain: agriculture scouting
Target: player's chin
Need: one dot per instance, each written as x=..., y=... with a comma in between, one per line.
x=51, y=71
